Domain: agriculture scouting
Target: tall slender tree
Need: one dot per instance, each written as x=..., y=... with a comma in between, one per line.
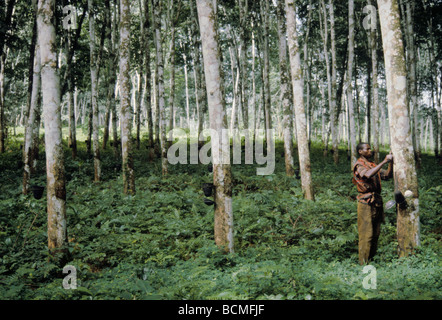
x=373, y=44
x=147, y=31
x=298, y=101
x=94, y=91
x=50, y=83
x=405, y=177
x=125, y=107
x=172, y=22
x=286, y=94
x=31, y=121
x=161, y=112
x=265, y=11
x=222, y=175
x=201, y=90
x=412, y=77
x=334, y=114
x=33, y=99
x=350, y=66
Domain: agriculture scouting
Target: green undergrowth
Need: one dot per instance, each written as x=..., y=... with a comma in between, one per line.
x=158, y=243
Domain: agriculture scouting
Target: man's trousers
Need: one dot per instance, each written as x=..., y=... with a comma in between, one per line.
x=370, y=218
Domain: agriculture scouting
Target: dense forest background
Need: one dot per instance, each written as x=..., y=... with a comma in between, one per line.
x=137, y=227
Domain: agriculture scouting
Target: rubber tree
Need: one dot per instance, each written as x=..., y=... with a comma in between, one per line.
x=350, y=67
x=285, y=87
x=404, y=171
x=298, y=101
x=125, y=107
x=222, y=175
x=94, y=91
x=50, y=85
x=31, y=121
x=161, y=114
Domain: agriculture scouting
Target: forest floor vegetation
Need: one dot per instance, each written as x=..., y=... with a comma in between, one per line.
x=158, y=243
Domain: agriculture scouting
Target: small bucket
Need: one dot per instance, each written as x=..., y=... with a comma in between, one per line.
x=37, y=191
x=207, y=188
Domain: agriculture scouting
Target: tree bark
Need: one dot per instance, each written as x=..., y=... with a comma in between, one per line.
x=125, y=107
x=147, y=97
x=31, y=121
x=201, y=90
x=266, y=73
x=298, y=100
x=161, y=101
x=111, y=76
x=172, y=68
x=50, y=82
x=324, y=33
x=243, y=43
x=286, y=95
x=412, y=78
x=334, y=115
x=222, y=176
x=401, y=141
x=350, y=65
x=94, y=92
x=372, y=40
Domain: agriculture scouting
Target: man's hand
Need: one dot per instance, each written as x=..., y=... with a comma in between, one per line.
x=389, y=157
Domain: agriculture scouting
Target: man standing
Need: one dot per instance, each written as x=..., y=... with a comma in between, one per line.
x=367, y=178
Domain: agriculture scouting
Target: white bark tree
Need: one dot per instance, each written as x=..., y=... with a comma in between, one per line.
x=50, y=84
x=350, y=66
x=222, y=175
x=401, y=141
x=372, y=40
x=31, y=121
x=298, y=100
x=125, y=107
x=286, y=95
x=161, y=112
x=94, y=92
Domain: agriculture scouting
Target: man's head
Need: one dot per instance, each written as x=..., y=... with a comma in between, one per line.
x=364, y=149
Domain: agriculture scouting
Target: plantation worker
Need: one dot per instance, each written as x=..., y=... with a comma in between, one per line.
x=367, y=178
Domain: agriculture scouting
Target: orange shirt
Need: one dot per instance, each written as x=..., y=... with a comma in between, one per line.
x=369, y=188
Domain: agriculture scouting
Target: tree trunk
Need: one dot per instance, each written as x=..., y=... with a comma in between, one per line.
x=286, y=95
x=50, y=82
x=31, y=122
x=110, y=74
x=200, y=87
x=172, y=69
x=3, y=129
x=401, y=141
x=307, y=71
x=350, y=81
x=72, y=137
x=125, y=108
x=222, y=176
x=161, y=101
x=235, y=80
x=94, y=92
x=298, y=100
x=412, y=78
x=324, y=34
x=334, y=115
x=243, y=42
x=148, y=75
x=373, y=44
x=266, y=74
